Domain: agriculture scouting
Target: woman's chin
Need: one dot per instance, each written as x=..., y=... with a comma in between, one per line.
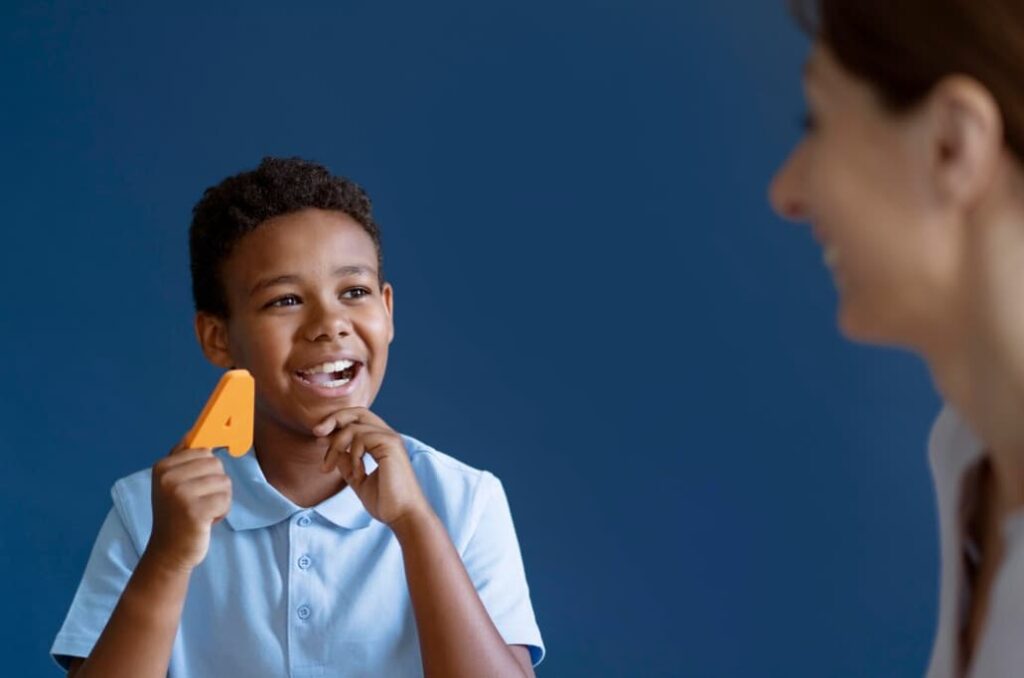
x=854, y=323
x=860, y=325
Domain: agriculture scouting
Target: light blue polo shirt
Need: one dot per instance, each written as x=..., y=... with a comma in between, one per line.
x=287, y=591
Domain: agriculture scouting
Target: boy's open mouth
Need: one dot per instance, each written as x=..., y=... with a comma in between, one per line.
x=331, y=374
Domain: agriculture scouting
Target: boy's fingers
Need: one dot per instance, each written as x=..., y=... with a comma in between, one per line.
x=337, y=456
x=337, y=445
x=184, y=473
x=337, y=459
x=330, y=459
x=344, y=464
x=325, y=465
x=341, y=442
x=190, y=452
x=377, y=443
x=336, y=421
x=345, y=417
x=373, y=442
x=214, y=506
x=183, y=457
x=323, y=428
x=355, y=456
x=204, y=486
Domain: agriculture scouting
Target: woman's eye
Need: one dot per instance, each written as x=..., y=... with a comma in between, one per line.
x=808, y=123
x=355, y=293
x=288, y=300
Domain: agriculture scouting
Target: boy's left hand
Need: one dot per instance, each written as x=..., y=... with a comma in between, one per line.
x=391, y=492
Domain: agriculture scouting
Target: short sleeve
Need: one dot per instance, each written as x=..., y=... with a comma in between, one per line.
x=495, y=566
x=111, y=563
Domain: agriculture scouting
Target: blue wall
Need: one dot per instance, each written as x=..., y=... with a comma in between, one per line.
x=593, y=301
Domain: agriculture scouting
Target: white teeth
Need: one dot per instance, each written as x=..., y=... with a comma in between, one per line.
x=336, y=366
x=337, y=383
x=831, y=256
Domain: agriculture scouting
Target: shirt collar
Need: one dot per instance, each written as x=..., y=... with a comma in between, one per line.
x=255, y=503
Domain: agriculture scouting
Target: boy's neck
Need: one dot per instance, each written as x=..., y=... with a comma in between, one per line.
x=291, y=464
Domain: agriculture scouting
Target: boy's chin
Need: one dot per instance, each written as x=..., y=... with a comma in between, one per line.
x=322, y=410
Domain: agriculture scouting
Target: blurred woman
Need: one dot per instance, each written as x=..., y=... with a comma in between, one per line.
x=910, y=174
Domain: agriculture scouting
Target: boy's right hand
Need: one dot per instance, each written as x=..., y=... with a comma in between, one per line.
x=191, y=493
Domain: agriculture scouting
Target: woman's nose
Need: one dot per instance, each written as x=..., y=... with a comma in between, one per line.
x=786, y=191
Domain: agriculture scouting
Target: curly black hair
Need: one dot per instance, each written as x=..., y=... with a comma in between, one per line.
x=239, y=204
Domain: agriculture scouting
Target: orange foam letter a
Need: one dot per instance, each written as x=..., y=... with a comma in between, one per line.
x=227, y=418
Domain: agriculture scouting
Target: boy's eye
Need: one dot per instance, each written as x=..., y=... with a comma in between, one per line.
x=287, y=300
x=355, y=293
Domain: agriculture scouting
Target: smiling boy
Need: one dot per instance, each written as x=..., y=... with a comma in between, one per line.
x=337, y=547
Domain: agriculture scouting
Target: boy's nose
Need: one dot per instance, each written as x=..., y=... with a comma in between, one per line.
x=328, y=324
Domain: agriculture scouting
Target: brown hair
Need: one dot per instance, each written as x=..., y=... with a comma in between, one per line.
x=905, y=47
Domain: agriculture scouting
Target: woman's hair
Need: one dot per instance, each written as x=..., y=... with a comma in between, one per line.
x=905, y=47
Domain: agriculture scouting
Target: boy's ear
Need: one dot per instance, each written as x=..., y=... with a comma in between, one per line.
x=212, y=333
x=388, y=294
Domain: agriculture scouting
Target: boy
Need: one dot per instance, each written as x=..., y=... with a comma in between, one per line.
x=337, y=547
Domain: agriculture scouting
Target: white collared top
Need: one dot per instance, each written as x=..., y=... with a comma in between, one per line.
x=954, y=451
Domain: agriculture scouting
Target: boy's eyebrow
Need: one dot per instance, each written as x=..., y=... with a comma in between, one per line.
x=340, y=272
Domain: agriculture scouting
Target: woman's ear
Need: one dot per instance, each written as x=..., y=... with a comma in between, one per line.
x=967, y=139
x=212, y=333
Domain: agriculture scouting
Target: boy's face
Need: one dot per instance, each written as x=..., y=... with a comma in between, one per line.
x=308, y=317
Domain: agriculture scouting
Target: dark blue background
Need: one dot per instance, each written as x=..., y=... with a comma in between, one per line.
x=594, y=301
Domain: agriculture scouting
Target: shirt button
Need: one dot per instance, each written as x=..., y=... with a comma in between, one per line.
x=304, y=612
x=304, y=521
x=304, y=562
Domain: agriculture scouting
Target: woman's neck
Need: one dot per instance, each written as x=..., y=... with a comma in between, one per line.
x=977, y=362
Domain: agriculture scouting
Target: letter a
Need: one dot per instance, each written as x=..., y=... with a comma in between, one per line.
x=227, y=418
